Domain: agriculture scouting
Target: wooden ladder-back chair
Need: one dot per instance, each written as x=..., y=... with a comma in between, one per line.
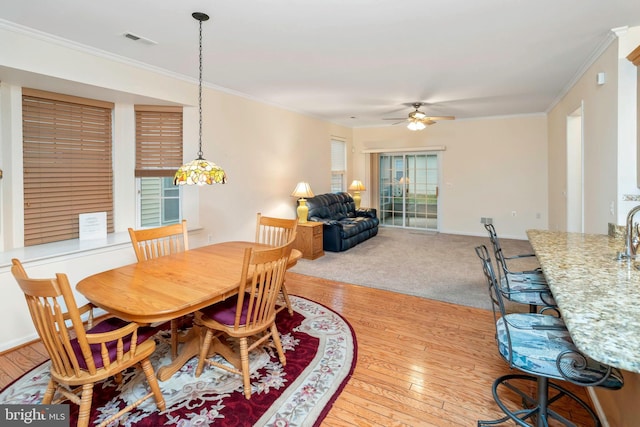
x=276, y=232
x=152, y=243
x=252, y=312
x=79, y=357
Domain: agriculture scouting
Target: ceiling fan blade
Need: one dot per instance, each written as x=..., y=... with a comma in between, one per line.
x=440, y=118
x=396, y=118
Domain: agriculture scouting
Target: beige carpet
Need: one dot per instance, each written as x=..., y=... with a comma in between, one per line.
x=431, y=265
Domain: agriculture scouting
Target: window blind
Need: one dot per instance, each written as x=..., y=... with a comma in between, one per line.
x=338, y=165
x=158, y=140
x=67, y=164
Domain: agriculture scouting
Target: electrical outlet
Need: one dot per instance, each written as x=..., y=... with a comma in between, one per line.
x=513, y=213
x=210, y=238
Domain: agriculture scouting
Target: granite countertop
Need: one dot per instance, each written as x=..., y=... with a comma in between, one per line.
x=597, y=294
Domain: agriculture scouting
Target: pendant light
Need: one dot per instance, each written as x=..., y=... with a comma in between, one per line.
x=200, y=171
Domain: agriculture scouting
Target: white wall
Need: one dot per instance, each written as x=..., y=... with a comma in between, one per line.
x=490, y=168
x=609, y=140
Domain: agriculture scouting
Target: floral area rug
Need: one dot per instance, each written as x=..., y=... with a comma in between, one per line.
x=321, y=353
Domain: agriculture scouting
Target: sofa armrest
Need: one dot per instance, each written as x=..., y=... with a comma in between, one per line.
x=366, y=212
x=325, y=221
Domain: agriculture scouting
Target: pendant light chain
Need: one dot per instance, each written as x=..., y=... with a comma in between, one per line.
x=200, y=171
x=200, y=153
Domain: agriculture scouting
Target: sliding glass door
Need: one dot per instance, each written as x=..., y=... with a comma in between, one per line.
x=409, y=190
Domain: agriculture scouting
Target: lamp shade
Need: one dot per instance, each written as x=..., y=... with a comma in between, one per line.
x=200, y=172
x=302, y=190
x=357, y=185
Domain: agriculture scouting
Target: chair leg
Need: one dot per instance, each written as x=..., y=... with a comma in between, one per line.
x=153, y=384
x=204, y=350
x=49, y=392
x=244, y=361
x=85, y=405
x=283, y=289
x=275, y=335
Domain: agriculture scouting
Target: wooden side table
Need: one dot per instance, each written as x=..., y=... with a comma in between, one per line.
x=309, y=240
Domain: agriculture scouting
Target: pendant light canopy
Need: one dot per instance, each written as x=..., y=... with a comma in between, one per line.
x=200, y=171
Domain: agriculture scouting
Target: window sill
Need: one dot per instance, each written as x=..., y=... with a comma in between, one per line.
x=64, y=248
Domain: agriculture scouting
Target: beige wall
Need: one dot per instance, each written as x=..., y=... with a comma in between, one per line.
x=490, y=167
x=600, y=139
x=609, y=138
x=264, y=158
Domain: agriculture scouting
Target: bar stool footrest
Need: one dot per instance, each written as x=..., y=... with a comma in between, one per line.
x=507, y=387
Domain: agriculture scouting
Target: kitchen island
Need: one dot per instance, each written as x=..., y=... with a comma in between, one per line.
x=599, y=298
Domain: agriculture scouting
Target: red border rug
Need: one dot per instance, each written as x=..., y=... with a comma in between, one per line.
x=321, y=352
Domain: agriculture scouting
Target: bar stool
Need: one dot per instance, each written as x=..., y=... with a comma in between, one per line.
x=522, y=287
x=539, y=346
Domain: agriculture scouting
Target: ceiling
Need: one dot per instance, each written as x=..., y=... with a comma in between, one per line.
x=353, y=62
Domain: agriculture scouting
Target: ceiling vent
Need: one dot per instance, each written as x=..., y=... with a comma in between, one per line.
x=137, y=38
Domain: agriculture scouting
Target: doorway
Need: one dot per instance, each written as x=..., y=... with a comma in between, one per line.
x=408, y=190
x=575, y=175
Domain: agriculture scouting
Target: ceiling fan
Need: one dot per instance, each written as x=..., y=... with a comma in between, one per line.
x=418, y=120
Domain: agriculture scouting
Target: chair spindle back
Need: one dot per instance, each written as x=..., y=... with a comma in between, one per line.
x=152, y=243
x=263, y=273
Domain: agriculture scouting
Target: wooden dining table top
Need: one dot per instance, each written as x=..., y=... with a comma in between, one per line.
x=171, y=286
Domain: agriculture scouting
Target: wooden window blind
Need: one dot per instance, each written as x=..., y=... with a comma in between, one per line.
x=158, y=140
x=67, y=164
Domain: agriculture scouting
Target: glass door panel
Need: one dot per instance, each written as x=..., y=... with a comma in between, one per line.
x=409, y=190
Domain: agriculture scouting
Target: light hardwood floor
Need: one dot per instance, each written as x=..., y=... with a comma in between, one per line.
x=420, y=362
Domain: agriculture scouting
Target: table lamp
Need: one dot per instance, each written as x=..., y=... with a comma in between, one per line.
x=302, y=190
x=357, y=186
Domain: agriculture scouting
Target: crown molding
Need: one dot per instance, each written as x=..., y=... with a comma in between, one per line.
x=610, y=37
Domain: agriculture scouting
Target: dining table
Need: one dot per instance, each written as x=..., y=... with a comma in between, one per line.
x=171, y=286
x=597, y=293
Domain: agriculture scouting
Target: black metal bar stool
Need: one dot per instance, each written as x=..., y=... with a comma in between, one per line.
x=522, y=287
x=540, y=347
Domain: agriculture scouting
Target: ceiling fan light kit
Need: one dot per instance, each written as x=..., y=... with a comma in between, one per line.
x=418, y=120
x=416, y=125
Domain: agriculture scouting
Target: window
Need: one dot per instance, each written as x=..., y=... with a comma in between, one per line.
x=159, y=202
x=66, y=164
x=158, y=156
x=338, y=166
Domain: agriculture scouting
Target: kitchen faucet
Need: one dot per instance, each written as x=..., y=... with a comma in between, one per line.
x=631, y=240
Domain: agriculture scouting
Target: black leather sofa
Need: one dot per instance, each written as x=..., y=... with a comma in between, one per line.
x=344, y=226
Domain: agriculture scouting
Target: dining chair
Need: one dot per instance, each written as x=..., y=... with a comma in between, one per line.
x=541, y=348
x=149, y=243
x=276, y=232
x=522, y=287
x=81, y=357
x=250, y=316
